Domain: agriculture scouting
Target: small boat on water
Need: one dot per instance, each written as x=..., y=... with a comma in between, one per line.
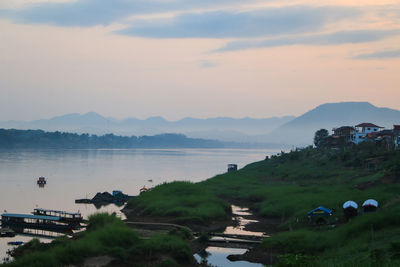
x=66, y=217
x=16, y=243
x=50, y=223
x=6, y=232
x=41, y=180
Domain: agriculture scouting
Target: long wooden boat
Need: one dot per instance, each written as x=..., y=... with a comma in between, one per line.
x=66, y=217
x=50, y=223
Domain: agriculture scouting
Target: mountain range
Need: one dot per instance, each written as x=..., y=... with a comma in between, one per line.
x=288, y=130
x=224, y=129
x=300, y=131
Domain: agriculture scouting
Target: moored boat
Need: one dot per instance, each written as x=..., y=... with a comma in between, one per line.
x=6, y=232
x=50, y=223
x=41, y=181
x=67, y=217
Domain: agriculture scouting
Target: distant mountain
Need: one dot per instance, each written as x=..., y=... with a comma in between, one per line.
x=222, y=128
x=300, y=131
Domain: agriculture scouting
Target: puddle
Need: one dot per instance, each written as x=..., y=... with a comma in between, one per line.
x=238, y=212
x=218, y=257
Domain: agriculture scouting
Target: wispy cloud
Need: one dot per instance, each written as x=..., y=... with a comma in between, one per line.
x=207, y=64
x=336, y=38
x=102, y=12
x=387, y=54
x=229, y=24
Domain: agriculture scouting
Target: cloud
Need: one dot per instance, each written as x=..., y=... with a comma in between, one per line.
x=387, y=54
x=336, y=38
x=101, y=12
x=229, y=24
x=207, y=64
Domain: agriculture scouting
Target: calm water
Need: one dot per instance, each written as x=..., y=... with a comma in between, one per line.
x=74, y=174
x=218, y=257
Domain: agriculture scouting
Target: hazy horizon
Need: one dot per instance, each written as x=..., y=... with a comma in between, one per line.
x=106, y=116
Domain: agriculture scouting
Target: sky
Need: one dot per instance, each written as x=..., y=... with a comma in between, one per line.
x=191, y=58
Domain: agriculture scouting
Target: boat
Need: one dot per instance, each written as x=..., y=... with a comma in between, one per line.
x=66, y=217
x=6, y=232
x=41, y=180
x=16, y=243
x=50, y=223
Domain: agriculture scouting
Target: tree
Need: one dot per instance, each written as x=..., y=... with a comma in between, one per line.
x=319, y=137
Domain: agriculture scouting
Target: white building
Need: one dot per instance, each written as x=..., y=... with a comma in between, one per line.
x=362, y=130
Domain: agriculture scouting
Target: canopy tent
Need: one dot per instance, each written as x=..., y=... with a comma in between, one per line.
x=350, y=204
x=320, y=211
x=350, y=209
x=370, y=205
x=370, y=202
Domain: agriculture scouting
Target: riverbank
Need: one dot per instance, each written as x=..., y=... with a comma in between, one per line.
x=108, y=241
x=281, y=190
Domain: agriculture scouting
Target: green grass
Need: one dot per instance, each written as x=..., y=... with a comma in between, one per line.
x=185, y=202
x=285, y=187
x=290, y=185
x=106, y=235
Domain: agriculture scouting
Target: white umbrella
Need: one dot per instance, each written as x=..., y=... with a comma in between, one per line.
x=370, y=202
x=350, y=204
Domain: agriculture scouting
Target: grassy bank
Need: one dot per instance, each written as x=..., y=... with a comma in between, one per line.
x=107, y=236
x=285, y=188
x=290, y=185
x=181, y=202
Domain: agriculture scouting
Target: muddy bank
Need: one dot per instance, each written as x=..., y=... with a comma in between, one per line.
x=254, y=225
x=196, y=226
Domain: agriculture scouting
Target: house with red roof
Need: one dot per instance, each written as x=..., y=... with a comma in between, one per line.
x=362, y=131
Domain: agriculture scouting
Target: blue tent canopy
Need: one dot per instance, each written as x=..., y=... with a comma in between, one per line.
x=320, y=211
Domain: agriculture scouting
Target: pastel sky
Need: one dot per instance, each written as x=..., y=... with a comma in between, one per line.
x=207, y=58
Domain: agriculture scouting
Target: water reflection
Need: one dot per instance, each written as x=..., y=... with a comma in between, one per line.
x=241, y=222
x=74, y=174
x=217, y=256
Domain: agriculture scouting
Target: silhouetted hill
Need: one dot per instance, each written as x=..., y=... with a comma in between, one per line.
x=38, y=139
x=300, y=131
x=224, y=129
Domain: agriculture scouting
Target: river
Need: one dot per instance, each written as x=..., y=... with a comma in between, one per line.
x=73, y=174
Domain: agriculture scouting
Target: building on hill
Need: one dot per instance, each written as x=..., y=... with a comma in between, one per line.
x=383, y=138
x=396, y=136
x=344, y=133
x=362, y=130
x=389, y=138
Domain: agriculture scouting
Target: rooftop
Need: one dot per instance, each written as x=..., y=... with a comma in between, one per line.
x=29, y=216
x=57, y=211
x=367, y=124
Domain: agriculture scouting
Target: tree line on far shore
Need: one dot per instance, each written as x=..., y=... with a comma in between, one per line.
x=12, y=138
